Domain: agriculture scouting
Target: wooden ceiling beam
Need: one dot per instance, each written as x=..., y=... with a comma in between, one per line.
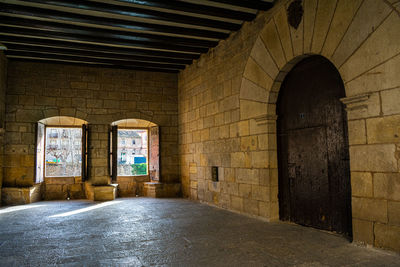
x=146, y=35
x=85, y=64
x=253, y=4
x=195, y=8
x=93, y=54
x=112, y=22
x=29, y=54
x=134, y=11
x=106, y=33
x=98, y=48
x=88, y=37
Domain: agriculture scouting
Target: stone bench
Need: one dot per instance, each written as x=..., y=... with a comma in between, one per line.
x=20, y=195
x=101, y=192
x=156, y=189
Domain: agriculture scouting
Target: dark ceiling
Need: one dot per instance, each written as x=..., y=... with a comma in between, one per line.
x=153, y=35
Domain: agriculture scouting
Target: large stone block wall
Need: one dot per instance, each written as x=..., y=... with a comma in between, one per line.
x=227, y=110
x=63, y=188
x=210, y=131
x=3, y=84
x=99, y=96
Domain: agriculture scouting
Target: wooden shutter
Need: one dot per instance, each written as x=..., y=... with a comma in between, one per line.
x=39, y=152
x=154, y=162
x=88, y=166
x=85, y=152
x=109, y=158
x=113, y=153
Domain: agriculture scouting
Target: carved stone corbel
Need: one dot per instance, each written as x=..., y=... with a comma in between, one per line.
x=358, y=102
x=265, y=119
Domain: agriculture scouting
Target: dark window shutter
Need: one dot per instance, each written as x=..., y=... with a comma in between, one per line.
x=85, y=149
x=109, y=158
x=154, y=161
x=39, y=152
x=35, y=175
x=114, y=153
x=87, y=152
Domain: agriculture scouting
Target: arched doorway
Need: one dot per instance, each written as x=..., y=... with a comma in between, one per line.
x=313, y=156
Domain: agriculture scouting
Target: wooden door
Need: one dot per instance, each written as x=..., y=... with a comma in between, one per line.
x=313, y=157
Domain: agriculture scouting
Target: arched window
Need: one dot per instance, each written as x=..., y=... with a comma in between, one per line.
x=61, y=148
x=134, y=149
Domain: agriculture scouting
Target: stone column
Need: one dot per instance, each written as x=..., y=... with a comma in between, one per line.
x=98, y=154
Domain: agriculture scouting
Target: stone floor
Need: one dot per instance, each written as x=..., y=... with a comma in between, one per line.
x=166, y=232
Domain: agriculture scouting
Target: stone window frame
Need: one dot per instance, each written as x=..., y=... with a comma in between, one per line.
x=153, y=170
x=61, y=122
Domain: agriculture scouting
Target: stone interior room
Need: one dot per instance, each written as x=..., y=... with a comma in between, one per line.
x=200, y=133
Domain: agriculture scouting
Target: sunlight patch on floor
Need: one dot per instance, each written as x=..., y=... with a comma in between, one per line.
x=17, y=208
x=69, y=213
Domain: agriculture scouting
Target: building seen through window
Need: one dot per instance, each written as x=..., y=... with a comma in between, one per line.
x=63, y=152
x=132, y=152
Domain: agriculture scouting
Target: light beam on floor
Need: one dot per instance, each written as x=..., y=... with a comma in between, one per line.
x=17, y=208
x=69, y=213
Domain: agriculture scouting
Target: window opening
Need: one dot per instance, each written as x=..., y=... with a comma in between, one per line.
x=63, y=152
x=132, y=152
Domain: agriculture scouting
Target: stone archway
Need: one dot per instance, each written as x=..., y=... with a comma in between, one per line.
x=361, y=40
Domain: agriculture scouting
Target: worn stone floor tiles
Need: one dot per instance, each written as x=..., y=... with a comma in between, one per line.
x=166, y=232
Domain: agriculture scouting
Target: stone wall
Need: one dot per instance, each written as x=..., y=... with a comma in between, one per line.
x=227, y=110
x=63, y=188
x=3, y=84
x=131, y=186
x=99, y=96
x=209, y=130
